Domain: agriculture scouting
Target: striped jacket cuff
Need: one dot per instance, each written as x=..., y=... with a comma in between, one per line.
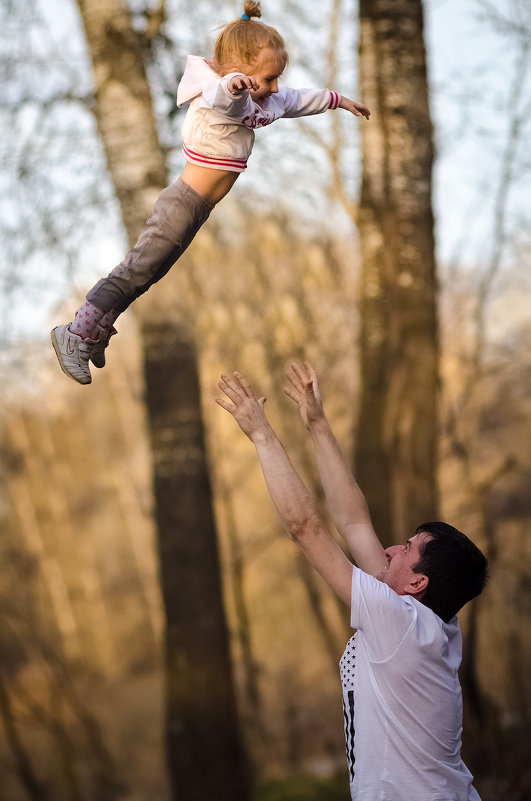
x=335, y=99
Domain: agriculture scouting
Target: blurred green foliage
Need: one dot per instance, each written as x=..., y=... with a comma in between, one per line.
x=305, y=789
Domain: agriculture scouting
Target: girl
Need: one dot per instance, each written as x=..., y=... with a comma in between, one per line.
x=227, y=99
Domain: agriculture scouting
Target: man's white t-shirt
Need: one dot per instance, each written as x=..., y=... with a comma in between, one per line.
x=402, y=699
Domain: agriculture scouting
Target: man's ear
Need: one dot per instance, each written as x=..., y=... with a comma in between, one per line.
x=418, y=586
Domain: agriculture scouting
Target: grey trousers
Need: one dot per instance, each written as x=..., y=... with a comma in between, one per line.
x=178, y=215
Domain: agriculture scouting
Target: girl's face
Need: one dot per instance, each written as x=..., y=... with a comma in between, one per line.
x=266, y=71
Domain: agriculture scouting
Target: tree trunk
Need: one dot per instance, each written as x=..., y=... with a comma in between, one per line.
x=35, y=789
x=206, y=760
x=395, y=451
x=204, y=747
x=124, y=110
x=20, y=491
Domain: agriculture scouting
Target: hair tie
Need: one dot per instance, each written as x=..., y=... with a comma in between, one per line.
x=244, y=16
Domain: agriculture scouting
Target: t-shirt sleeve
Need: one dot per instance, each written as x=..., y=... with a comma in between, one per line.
x=383, y=616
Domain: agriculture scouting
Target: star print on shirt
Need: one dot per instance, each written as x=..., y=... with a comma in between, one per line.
x=347, y=669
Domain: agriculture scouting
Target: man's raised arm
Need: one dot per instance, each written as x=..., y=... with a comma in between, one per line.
x=345, y=499
x=294, y=503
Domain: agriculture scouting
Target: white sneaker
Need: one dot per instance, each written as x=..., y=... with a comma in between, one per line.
x=73, y=353
x=103, y=335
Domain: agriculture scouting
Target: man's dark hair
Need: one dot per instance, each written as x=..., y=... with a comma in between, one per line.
x=455, y=567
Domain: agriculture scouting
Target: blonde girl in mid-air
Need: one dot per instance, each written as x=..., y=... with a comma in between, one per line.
x=227, y=98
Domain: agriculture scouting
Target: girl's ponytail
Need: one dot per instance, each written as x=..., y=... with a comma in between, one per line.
x=239, y=44
x=251, y=9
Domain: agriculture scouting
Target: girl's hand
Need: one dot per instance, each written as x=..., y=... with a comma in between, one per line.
x=239, y=83
x=358, y=109
x=304, y=390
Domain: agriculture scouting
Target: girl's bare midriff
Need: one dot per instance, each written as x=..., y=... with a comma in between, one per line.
x=212, y=185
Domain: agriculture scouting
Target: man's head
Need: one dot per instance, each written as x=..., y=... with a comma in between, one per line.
x=400, y=573
x=439, y=566
x=455, y=567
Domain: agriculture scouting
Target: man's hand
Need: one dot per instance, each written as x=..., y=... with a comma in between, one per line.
x=247, y=410
x=304, y=390
x=294, y=503
x=239, y=83
x=358, y=109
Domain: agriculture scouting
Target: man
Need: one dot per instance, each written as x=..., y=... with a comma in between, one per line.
x=401, y=692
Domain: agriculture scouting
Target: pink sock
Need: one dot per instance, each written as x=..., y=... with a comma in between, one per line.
x=86, y=320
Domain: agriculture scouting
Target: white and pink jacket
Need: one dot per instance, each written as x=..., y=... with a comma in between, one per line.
x=218, y=130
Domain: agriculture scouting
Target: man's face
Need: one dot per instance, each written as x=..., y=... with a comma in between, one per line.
x=399, y=574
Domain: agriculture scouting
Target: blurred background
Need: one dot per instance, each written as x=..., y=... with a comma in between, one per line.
x=160, y=638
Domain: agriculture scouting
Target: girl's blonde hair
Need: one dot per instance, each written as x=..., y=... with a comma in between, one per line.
x=240, y=42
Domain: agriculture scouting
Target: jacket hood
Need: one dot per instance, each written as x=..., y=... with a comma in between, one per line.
x=198, y=75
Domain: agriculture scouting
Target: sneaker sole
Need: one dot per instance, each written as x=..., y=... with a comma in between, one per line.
x=61, y=365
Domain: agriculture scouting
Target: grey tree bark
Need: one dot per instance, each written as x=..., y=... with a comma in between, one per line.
x=395, y=450
x=205, y=752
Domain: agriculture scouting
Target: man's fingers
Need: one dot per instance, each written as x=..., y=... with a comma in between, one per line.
x=244, y=384
x=230, y=387
x=299, y=370
x=311, y=371
x=236, y=387
x=304, y=380
x=295, y=389
x=297, y=374
x=291, y=393
x=293, y=379
x=307, y=378
x=228, y=406
x=313, y=376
